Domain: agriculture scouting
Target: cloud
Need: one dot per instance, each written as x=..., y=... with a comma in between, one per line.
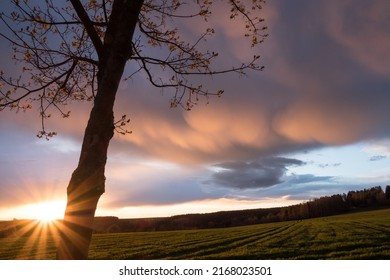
x=312, y=94
x=361, y=27
x=376, y=158
x=233, y=126
x=378, y=147
x=326, y=165
x=332, y=97
x=307, y=178
x=262, y=173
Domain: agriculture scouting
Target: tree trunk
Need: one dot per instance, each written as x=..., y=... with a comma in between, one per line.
x=87, y=183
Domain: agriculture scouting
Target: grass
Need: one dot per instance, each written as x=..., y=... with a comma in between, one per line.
x=363, y=235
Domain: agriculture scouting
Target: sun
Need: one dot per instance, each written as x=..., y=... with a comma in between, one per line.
x=47, y=211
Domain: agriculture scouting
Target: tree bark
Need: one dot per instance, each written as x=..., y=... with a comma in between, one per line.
x=87, y=183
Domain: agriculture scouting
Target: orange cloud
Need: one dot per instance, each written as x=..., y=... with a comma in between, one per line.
x=324, y=121
x=207, y=130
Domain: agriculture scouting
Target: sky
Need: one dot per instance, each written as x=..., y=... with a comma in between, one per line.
x=315, y=122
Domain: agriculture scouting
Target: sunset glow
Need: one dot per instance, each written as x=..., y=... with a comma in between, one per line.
x=194, y=207
x=46, y=211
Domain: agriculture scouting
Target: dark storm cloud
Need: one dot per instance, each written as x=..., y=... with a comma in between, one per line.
x=261, y=173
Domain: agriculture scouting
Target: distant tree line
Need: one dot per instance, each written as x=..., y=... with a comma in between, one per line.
x=324, y=206
x=335, y=204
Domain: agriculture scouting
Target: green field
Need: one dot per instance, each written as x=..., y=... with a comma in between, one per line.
x=363, y=235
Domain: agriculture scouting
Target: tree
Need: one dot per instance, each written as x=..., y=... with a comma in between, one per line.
x=387, y=193
x=77, y=51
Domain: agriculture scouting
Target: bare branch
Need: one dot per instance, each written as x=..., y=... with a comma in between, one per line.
x=105, y=12
x=66, y=67
x=89, y=26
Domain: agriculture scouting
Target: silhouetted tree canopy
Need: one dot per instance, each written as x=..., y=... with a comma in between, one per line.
x=71, y=51
x=60, y=50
